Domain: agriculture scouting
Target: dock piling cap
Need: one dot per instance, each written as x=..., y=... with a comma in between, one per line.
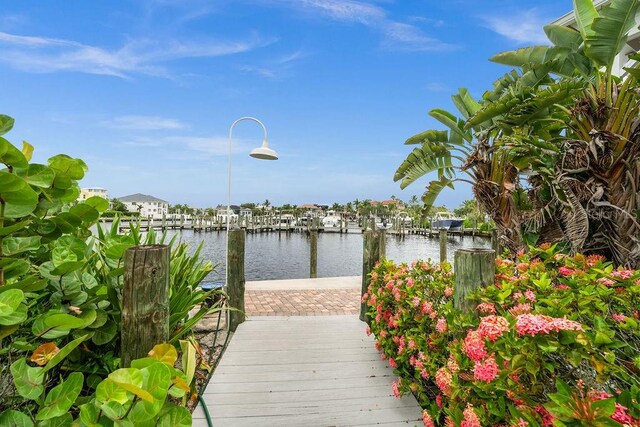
x=209, y=286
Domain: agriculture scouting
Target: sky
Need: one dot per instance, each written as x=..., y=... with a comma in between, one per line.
x=144, y=91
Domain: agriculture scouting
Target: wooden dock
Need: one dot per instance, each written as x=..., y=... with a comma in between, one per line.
x=304, y=371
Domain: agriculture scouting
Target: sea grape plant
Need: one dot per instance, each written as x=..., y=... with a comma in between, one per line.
x=60, y=293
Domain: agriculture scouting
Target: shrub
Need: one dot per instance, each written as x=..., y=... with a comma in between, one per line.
x=555, y=338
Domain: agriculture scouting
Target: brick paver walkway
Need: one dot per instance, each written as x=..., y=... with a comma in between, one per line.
x=313, y=302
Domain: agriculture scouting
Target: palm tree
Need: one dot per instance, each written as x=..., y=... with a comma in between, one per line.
x=552, y=151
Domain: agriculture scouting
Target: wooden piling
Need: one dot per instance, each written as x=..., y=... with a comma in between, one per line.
x=145, y=301
x=313, y=254
x=473, y=268
x=443, y=245
x=235, y=278
x=373, y=250
x=495, y=241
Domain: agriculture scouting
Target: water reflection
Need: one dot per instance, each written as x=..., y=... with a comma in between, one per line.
x=271, y=256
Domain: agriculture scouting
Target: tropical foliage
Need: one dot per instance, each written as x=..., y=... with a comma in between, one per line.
x=60, y=295
x=551, y=151
x=554, y=340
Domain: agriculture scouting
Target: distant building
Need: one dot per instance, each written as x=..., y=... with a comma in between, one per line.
x=88, y=192
x=310, y=207
x=389, y=203
x=146, y=205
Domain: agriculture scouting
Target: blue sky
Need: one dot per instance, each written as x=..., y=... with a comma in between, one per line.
x=145, y=90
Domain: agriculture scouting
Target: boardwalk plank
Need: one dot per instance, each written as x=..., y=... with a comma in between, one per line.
x=304, y=371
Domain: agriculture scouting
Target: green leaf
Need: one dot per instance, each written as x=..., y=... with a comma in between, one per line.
x=585, y=13
x=521, y=57
x=6, y=124
x=610, y=31
x=105, y=333
x=15, y=268
x=174, y=416
x=67, y=222
x=85, y=212
x=63, y=353
x=65, y=420
x=20, y=199
x=157, y=380
x=37, y=175
x=10, y=300
x=28, y=380
x=16, y=245
x=67, y=170
x=98, y=203
x=131, y=379
x=434, y=189
x=60, y=399
x=563, y=36
x=13, y=418
x=428, y=136
x=109, y=391
x=11, y=156
x=18, y=316
x=5, y=231
x=189, y=360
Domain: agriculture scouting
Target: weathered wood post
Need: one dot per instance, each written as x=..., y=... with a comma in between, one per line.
x=235, y=277
x=313, y=253
x=145, y=301
x=495, y=241
x=373, y=250
x=443, y=245
x=474, y=268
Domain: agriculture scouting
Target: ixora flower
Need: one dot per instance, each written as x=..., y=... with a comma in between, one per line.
x=395, y=388
x=492, y=327
x=474, y=346
x=535, y=324
x=443, y=380
x=565, y=271
x=486, y=371
x=427, y=420
x=470, y=417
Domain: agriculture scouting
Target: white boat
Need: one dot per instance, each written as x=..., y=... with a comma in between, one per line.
x=446, y=221
x=404, y=218
x=331, y=220
x=383, y=224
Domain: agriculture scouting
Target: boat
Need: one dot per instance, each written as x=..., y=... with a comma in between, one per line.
x=332, y=220
x=383, y=224
x=446, y=221
x=404, y=218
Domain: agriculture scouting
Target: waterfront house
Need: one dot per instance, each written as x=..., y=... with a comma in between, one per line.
x=88, y=192
x=146, y=205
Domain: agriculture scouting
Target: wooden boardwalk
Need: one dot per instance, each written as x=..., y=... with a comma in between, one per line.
x=304, y=371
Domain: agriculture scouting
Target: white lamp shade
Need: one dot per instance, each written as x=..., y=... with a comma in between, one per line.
x=264, y=152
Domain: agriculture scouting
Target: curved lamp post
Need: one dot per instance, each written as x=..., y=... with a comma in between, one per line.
x=263, y=153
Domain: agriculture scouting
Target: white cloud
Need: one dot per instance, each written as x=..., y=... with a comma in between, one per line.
x=436, y=87
x=275, y=68
x=397, y=35
x=522, y=27
x=43, y=55
x=207, y=145
x=144, y=123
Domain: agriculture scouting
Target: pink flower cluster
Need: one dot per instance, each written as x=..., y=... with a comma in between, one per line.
x=470, y=417
x=427, y=420
x=565, y=271
x=474, y=346
x=443, y=380
x=492, y=327
x=520, y=309
x=486, y=371
x=487, y=308
x=622, y=274
x=441, y=326
x=619, y=317
x=620, y=414
x=395, y=388
x=534, y=324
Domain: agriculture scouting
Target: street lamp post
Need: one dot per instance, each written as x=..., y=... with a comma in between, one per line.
x=263, y=153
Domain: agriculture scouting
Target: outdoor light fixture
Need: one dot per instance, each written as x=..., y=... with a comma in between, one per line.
x=263, y=153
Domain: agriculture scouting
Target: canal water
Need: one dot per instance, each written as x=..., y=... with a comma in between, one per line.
x=272, y=256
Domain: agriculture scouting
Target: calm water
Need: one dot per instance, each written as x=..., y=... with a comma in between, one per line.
x=269, y=256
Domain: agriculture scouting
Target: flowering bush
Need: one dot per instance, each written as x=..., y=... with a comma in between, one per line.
x=554, y=340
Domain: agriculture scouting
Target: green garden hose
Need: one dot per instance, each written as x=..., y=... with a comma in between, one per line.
x=205, y=409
